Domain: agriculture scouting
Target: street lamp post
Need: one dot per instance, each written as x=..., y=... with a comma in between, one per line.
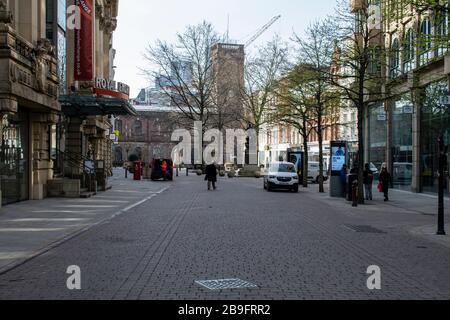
x=442, y=163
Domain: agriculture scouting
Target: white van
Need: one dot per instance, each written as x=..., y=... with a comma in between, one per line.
x=314, y=171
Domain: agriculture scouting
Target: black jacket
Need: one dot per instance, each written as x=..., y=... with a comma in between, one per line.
x=368, y=177
x=385, y=178
x=211, y=173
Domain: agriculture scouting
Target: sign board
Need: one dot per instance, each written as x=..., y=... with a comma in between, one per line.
x=111, y=88
x=112, y=137
x=445, y=100
x=408, y=109
x=83, y=62
x=382, y=117
x=338, y=156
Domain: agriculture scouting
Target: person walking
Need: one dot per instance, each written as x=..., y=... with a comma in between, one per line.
x=211, y=175
x=385, y=179
x=164, y=169
x=344, y=173
x=368, y=182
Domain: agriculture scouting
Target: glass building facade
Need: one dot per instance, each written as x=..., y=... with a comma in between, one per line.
x=435, y=121
x=402, y=141
x=377, y=134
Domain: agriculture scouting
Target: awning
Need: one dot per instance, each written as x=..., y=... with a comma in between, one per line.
x=76, y=105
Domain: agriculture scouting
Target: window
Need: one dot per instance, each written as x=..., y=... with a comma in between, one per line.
x=394, y=65
x=442, y=32
x=408, y=51
x=137, y=128
x=425, y=43
x=375, y=61
x=118, y=126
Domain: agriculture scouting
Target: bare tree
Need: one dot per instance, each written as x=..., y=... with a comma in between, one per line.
x=291, y=109
x=360, y=66
x=184, y=73
x=319, y=95
x=262, y=73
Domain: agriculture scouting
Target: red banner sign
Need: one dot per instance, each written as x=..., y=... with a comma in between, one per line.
x=83, y=42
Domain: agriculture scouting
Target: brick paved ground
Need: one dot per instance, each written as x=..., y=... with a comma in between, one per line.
x=292, y=246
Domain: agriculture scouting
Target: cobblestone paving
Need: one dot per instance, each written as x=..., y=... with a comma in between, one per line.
x=292, y=246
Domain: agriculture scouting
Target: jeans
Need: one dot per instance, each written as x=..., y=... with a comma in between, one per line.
x=213, y=185
x=368, y=191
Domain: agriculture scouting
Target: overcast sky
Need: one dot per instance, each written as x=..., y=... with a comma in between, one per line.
x=141, y=22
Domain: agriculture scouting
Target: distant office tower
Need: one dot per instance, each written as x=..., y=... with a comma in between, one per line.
x=228, y=67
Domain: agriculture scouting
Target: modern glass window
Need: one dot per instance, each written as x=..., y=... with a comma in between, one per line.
x=377, y=134
x=62, y=61
x=62, y=14
x=401, y=128
x=408, y=51
x=394, y=64
x=425, y=41
x=435, y=121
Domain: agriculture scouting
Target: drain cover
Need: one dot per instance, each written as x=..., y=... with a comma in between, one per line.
x=365, y=229
x=224, y=284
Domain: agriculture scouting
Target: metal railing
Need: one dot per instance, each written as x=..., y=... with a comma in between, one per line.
x=73, y=165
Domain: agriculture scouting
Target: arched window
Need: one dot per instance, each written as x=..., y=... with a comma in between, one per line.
x=394, y=65
x=442, y=32
x=137, y=128
x=408, y=51
x=118, y=125
x=118, y=156
x=425, y=41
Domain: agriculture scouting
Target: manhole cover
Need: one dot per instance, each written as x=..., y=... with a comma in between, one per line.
x=224, y=284
x=365, y=229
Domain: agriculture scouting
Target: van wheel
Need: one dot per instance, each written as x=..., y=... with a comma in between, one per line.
x=295, y=189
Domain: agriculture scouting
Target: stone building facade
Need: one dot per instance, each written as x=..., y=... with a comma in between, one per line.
x=89, y=104
x=146, y=136
x=28, y=100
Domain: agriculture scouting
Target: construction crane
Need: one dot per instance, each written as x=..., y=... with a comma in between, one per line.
x=262, y=30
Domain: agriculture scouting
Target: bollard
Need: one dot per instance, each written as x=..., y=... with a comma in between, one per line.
x=355, y=193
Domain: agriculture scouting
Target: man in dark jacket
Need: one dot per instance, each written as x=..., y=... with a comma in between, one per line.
x=211, y=175
x=368, y=182
x=386, y=180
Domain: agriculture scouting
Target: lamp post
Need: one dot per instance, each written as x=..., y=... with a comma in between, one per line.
x=442, y=163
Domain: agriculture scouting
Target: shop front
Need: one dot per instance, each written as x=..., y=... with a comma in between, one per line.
x=377, y=134
x=402, y=141
x=435, y=121
x=14, y=158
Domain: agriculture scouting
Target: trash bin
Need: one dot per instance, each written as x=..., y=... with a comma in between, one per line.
x=352, y=177
x=137, y=166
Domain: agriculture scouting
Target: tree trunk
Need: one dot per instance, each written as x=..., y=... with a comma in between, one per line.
x=361, y=114
x=305, y=162
x=320, y=136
